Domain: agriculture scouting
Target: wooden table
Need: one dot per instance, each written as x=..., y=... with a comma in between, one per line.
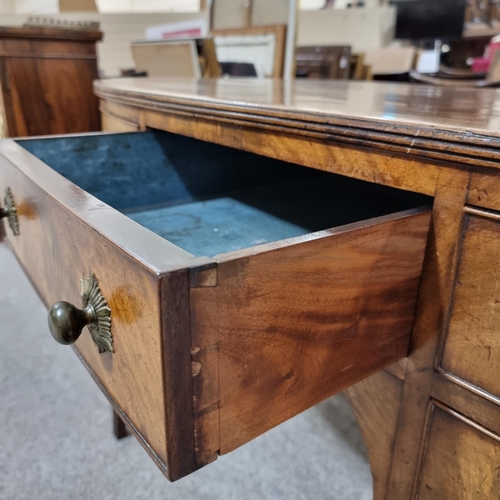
x=359, y=226
x=431, y=422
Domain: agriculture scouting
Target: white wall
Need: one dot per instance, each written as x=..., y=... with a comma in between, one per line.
x=311, y=4
x=37, y=6
x=363, y=29
x=148, y=6
x=7, y=6
x=104, y=6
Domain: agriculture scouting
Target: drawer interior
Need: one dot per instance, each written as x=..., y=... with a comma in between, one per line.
x=210, y=199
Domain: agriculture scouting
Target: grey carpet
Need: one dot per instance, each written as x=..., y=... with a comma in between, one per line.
x=56, y=437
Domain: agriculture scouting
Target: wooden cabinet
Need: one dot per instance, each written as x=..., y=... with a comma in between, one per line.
x=262, y=245
x=46, y=77
x=332, y=62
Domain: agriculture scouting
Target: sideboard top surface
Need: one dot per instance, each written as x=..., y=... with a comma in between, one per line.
x=454, y=124
x=429, y=109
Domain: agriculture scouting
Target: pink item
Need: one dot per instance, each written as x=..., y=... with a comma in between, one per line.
x=480, y=65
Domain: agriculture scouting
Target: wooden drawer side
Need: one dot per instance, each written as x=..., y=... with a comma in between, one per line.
x=296, y=323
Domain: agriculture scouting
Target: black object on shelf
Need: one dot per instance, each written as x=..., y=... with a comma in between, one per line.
x=429, y=19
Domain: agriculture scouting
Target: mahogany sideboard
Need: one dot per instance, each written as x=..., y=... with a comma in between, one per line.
x=46, y=76
x=251, y=247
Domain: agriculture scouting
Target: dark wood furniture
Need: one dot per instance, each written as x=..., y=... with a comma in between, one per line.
x=218, y=339
x=331, y=62
x=46, y=79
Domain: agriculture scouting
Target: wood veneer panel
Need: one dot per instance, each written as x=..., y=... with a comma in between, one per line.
x=68, y=250
x=461, y=459
x=295, y=323
x=120, y=112
x=484, y=190
x=113, y=124
x=475, y=313
x=47, y=77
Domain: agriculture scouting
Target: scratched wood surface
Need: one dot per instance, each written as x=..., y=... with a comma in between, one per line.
x=461, y=459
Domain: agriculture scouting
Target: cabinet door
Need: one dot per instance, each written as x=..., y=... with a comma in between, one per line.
x=471, y=351
x=461, y=459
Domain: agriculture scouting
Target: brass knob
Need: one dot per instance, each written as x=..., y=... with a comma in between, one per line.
x=66, y=321
x=10, y=212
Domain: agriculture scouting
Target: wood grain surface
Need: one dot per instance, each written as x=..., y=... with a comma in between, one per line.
x=461, y=460
x=46, y=80
x=297, y=322
x=474, y=311
x=466, y=402
x=369, y=165
x=433, y=306
x=484, y=190
x=377, y=418
x=275, y=329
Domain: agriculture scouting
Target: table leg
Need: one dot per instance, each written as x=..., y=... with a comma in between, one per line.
x=119, y=428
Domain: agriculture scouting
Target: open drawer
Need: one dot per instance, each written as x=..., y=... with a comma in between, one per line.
x=241, y=290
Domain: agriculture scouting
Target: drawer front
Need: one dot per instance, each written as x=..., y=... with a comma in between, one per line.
x=472, y=344
x=461, y=459
x=66, y=235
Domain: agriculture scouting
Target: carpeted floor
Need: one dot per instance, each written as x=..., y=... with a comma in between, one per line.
x=56, y=439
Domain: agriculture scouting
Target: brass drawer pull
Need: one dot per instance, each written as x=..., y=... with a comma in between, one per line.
x=66, y=321
x=10, y=212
